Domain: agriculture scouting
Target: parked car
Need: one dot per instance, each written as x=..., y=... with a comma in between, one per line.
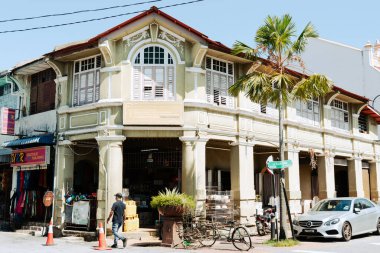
x=339, y=218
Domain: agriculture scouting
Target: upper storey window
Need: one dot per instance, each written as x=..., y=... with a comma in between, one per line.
x=339, y=115
x=87, y=80
x=308, y=111
x=42, y=92
x=153, y=74
x=219, y=77
x=363, y=123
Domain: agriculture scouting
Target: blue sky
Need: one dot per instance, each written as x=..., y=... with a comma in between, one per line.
x=350, y=22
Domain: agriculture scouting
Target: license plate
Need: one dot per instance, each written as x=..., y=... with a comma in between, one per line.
x=309, y=230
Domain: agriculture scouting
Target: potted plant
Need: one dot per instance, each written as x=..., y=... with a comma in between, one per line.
x=172, y=203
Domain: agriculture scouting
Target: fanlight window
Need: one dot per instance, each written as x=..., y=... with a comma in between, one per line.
x=153, y=74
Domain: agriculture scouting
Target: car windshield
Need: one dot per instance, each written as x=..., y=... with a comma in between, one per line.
x=333, y=205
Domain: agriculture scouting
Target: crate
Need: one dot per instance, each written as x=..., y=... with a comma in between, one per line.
x=130, y=209
x=131, y=224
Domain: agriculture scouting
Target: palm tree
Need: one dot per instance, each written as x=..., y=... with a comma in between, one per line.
x=277, y=40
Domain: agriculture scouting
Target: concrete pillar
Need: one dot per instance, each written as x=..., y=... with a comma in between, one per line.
x=327, y=116
x=110, y=173
x=355, y=177
x=292, y=181
x=326, y=177
x=374, y=174
x=63, y=180
x=242, y=178
x=194, y=169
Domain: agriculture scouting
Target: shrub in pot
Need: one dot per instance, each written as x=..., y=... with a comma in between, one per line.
x=172, y=203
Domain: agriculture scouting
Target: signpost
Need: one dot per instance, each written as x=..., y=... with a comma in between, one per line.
x=7, y=116
x=279, y=164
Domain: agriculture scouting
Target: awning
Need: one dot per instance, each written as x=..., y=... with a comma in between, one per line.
x=370, y=111
x=47, y=139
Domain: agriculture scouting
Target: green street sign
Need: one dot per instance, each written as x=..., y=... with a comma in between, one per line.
x=279, y=164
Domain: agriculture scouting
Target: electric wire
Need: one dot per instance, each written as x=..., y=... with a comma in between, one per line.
x=76, y=12
x=96, y=19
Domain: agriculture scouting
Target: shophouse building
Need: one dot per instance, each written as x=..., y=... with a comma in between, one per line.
x=144, y=106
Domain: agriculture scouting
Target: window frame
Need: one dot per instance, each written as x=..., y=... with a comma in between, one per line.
x=303, y=111
x=363, y=119
x=169, y=61
x=336, y=110
x=229, y=65
x=95, y=69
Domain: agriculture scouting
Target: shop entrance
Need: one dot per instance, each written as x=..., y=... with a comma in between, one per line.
x=85, y=177
x=341, y=181
x=150, y=165
x=5, y=192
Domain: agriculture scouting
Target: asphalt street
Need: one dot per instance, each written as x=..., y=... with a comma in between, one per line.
x=22, y=243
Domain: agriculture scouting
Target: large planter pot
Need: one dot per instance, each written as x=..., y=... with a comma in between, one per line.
x=171, y=211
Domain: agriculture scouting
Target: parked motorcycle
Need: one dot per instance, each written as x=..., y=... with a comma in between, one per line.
x=263, y=221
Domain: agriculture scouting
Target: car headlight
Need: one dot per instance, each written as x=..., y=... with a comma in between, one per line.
x=296, y=223
x=332, y=222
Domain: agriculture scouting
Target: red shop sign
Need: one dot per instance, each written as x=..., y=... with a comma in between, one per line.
x=30, y=156
x=7, y=120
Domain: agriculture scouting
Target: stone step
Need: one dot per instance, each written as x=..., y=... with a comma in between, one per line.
x=26, y=231
x=141, y=233
x=86, y=235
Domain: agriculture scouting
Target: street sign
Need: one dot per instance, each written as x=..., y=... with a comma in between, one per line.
x=279, y=164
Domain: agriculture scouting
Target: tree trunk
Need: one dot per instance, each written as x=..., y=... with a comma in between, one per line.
x=284, y=233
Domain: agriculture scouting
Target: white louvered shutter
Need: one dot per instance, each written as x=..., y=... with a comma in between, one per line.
x=76, y=87
x=97, y=85
x=136, y=82
x=216, y=88
x=223, y=89
x=159, y=82
x=209, y=87
x=230, y=99
x=148, y=83
x=90, y=87
x=82, y=89
x=170, y=82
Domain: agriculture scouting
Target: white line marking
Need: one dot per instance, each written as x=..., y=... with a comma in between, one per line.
x=311, y=251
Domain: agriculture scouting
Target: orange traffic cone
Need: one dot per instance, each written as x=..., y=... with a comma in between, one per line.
x=49, y=241
x=102, y=239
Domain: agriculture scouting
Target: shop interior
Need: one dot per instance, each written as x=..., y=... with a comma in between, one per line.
x=150, y=165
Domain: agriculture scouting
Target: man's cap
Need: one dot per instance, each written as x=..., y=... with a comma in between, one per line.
x=119, y=195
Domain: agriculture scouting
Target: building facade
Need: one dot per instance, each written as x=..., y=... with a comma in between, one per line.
x=144, y=106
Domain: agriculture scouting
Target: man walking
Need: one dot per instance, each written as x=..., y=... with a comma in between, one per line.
x=117, y=211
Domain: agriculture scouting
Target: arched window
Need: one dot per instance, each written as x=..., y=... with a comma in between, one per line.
x=153, y=74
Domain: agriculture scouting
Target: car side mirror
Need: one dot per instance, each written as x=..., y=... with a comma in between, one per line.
x=356, y=210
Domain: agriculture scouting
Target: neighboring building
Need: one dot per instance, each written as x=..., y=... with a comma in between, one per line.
x=144, y=106
x=353, y=69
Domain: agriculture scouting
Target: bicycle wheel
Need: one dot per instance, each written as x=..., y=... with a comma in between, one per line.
x=208, y=235
x=241, y=239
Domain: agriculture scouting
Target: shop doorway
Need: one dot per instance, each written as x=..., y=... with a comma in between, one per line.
x=150, y=165
x=86, y=176
x=341, y=181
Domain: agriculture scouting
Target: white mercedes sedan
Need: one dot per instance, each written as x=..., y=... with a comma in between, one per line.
x=339, y=218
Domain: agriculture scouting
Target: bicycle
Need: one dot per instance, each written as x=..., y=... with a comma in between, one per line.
x=237, y=234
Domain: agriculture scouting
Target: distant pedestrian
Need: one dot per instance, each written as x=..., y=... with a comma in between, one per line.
x=117, y=212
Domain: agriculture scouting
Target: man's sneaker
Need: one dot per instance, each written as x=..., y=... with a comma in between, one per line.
x=114, y=246
x=125, y=242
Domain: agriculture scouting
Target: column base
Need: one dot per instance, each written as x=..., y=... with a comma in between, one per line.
x=375, y=196
x=359, y=194
x=247, y=210
x=326, y=194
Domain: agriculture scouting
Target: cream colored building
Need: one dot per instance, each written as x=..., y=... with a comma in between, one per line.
x=145, y=106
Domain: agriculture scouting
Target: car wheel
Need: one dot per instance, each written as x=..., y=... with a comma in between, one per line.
x=377, y=232
x=346, y=231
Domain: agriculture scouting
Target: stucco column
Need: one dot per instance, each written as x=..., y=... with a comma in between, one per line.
x=194, y=169
x=326, y=177
x=355, y=123
x=63, y=180
x=327, y=116
x=374, y=172
x=355, y=177
x=110, y=173
x=292, y=181
x=242, y=178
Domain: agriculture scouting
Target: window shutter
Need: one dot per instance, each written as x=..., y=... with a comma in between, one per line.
x=136, y=82
x=159, y=82
x=97, y=85
x=223, y=90
x=148, y=83
x=209, y=86
x=230, y=102
x=75, y=94
x=216, y=88
x=170, y=82
x=90, y=87
x=82, y=89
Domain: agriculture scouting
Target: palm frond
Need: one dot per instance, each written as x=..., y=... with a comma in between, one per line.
x=299, y=45
x=312, y=87
x=241, y=48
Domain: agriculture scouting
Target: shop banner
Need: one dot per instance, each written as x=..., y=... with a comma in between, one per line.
x=7, y=120
x=30, y=156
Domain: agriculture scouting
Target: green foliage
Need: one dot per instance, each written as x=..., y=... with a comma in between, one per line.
x=172, y=198
x=276, y=40
x=282, y=243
